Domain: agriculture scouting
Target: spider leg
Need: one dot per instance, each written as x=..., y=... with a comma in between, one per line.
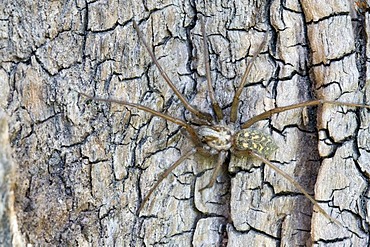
x=235, y=103
x=269, y=113
x=215, y=105
x=193, y=135
x=297, y=185
x=187, y=105
x=220, y=160
x=165, y=174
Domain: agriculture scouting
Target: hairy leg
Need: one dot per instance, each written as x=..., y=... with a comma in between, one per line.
x=271, y=112
x=215, y=105
x=290, y=179
x=235, y=103
x=220, y=161
x=165, y=174
x=187, y=105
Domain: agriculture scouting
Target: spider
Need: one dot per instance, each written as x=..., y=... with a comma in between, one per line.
x=218, y=135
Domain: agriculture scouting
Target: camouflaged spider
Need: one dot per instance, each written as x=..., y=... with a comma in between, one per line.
x=217, y=136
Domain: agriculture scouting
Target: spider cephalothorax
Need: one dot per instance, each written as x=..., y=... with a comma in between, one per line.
x=219, y=139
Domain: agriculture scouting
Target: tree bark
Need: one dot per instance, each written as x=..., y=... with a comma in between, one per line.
x=81, y=167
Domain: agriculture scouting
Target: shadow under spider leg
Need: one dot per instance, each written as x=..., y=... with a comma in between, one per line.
x=216, y=137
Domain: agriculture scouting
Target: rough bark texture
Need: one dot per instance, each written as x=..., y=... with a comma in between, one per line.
x=83, y=167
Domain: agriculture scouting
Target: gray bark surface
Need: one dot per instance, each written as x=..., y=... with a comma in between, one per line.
x=80, y=168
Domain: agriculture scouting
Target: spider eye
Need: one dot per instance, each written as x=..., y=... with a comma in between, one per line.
x=257, y=141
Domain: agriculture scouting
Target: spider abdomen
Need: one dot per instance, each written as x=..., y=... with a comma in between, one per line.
x=257, y=141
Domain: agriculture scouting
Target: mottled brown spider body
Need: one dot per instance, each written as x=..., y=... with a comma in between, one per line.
x=221, y=137
x=214, y=137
